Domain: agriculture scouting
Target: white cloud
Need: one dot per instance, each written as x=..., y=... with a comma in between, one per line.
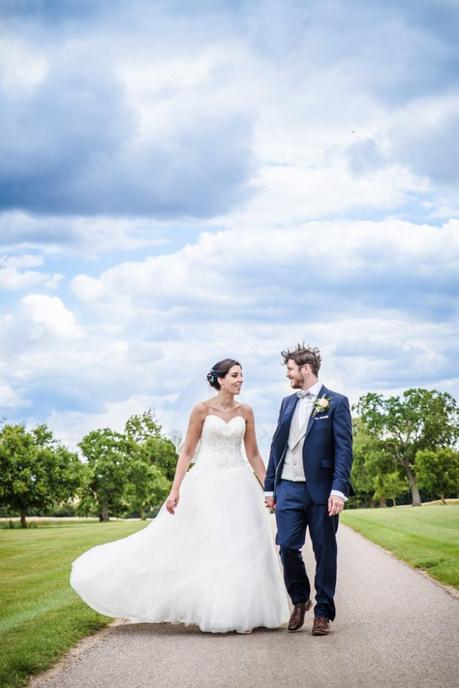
x=290, y=89
x=325, y=262
x=284, y=127
x=82, y=236
x=9, y=397
x=22, y=67
x=379, y=298
x=13, y=279
x=50, y=316
x=420, y=137
x=72, y=426
x=24, y=261
x=15, y=275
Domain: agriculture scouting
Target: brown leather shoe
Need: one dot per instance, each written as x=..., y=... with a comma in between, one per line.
x=297, y=617
x=321, y=626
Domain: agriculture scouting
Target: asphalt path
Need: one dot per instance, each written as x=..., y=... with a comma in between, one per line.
x=394, y=626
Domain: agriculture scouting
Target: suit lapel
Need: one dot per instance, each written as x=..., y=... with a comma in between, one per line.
x=284, y=428
x=295, y=431
x=282, y=431
x=322, y=391
x=289, y=411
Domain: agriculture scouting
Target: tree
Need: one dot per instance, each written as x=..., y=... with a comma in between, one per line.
x=152, y=462
x=106, y=453
x=147, y=486
x=371, y=459
x=420, y=419
x=127, y=470
x=36, y=471
x=438, y=471
x=155, y=449
x=389, y=486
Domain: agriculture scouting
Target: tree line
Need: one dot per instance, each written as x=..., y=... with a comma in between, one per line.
x=405, y=444
x=122, y=473
x=402, y=445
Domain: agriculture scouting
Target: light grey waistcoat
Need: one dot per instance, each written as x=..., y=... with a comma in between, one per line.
x=293, y=462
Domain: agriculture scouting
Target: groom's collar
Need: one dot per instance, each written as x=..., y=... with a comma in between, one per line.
x=318, y=388
x=315, y=389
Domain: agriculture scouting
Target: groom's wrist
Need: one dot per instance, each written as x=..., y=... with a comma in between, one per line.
x=337, y=493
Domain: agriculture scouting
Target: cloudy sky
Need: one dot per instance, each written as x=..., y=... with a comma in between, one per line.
x=183, y=181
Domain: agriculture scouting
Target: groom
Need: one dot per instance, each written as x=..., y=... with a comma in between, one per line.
x=307, y=483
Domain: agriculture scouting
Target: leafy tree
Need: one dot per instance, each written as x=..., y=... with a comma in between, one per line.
x=147, y=486
x=143, y=426
x=389, y=486
x=438, y=471
x=152, y=462
x=373, y=475
x=107, y=458
x=372, y=461
x=400, y=427
x=152, y=447
x=130, y=470
x=87, y=505
x=36, y=471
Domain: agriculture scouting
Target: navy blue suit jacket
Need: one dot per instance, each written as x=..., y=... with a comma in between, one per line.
x=327, y=449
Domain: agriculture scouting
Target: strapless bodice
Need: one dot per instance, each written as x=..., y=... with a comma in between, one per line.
x=221, y=442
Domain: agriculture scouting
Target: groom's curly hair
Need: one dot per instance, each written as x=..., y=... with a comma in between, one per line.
x=302, y=354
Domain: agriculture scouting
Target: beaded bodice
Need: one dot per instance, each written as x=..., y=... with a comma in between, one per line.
x=221, y=442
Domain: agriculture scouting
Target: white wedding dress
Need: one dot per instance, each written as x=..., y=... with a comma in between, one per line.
x=213, y=563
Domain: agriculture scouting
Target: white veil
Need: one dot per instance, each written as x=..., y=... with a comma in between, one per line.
x=178, y=413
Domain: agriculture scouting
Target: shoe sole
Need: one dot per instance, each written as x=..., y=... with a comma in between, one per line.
x=294, y=630
x=320, y=632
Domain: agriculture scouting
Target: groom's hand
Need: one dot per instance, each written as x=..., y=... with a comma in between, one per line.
x=270, y=503
x=335, y=505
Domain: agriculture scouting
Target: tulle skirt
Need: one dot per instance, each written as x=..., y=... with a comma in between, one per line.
x=213, y=563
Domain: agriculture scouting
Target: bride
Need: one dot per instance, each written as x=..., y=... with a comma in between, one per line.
x=208, y=558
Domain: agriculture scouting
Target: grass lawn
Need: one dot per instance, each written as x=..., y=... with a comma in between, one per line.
x=426, y=537
x=40, y=615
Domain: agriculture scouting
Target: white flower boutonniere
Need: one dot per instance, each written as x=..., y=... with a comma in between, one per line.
x=321, y=404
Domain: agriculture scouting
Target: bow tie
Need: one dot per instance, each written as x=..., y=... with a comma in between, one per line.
x=302, y=394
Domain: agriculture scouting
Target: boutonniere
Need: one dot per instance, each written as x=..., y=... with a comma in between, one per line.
x=321, y=404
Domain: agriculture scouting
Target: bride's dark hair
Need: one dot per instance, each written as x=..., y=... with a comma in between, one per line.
x=220, y=369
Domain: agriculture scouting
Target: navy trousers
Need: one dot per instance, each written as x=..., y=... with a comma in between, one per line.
x=295, y=512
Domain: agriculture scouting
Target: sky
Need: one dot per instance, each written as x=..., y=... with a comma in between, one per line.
x=182, y=182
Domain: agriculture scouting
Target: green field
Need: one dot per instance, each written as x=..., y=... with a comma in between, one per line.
x=40, y=615
x=426, y=537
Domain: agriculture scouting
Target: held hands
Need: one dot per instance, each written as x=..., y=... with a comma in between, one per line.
x=335, y=505
x=172, y=501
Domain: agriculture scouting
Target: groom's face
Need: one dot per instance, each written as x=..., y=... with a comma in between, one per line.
x=295, y=374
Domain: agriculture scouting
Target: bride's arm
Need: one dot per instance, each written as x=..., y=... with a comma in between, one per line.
x=251, y=446
x=186, y=454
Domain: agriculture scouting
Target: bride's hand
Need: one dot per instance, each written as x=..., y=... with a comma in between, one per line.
x=172, y=501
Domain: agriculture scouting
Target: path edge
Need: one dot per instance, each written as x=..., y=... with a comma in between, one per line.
x=450, y=589
x=82, y=645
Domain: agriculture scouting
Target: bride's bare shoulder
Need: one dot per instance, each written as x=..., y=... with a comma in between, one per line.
x=202, y=408
x=246, y=410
